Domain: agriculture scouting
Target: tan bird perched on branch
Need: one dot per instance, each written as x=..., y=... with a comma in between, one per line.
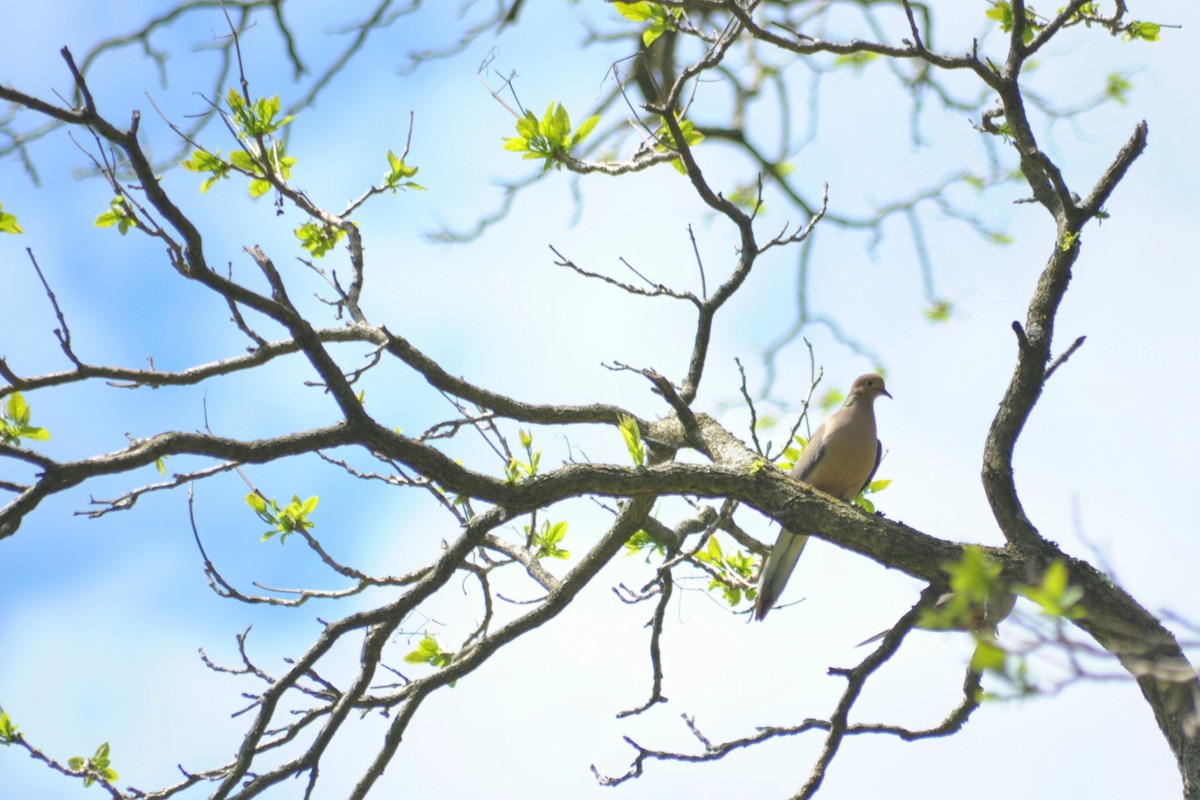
x=840, y=459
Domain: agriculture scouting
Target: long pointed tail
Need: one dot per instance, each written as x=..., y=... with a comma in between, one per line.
x=775, y=574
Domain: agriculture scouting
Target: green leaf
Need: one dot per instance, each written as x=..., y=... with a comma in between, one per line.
x=257, y=119
x=1054, y=582
x=831, y=400
x=98, y=766
x=561, y=125
x=16, y=409
x=319, y=239
x=636, y=12
x=256, y=165
x=587, y=127
x=430, y=652
x=989, y=657
x=527, y=125
x=874, y=486
x=14, y=424
x=211, y=163
x=107, y=220
x=1117, y=88
x=202, y=161
x=8, y=731
x=746, y=196
x=291, y=518
x=742, y=563
x=236, y=103
x=666, y=141
x=643, y=540
x=425, y=649
x=256, y=502
x=712, y=555
x=397, y=177
x=856, y=61
x=1086, y=12
x=118, y=214
x=294, y=516
x=633, y=439
x=1002, y=12
x=939, y=311
x=549, y=138
x=731, y=572
x=976, y=592
x=259, y=187
x=555, y=533
x=546, y=541
x=8, y=223
x=1146, y=31
x=1055, y=594
x=243, y=161
x=517, y=470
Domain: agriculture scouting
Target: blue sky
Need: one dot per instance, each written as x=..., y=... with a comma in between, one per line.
x=101, y=635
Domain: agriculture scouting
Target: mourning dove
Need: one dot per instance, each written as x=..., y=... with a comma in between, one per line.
x=840, y=459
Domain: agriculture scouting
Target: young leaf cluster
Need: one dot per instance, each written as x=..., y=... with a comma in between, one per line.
x=1140, y=29
x=733, y=572
x=1002, y=12
x=260, y=164
x=98, y=766
x=866, y=504
x=202, y=161
x=14, y=424
x=548, y=539
x=255, y=119
x=284, y=521
x=549, y=138
x=265, y=162
x=1055, y=594
x=644, y=541
x=517, y=470
x=8, y=731
x=399, y=174
x=661, y=19
x=120, y=214
x=430, y=652
x=976, y=586
x=979, y=596
x=319, y=239
x=939, y=311
x=666, y=141
x=254, y=125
